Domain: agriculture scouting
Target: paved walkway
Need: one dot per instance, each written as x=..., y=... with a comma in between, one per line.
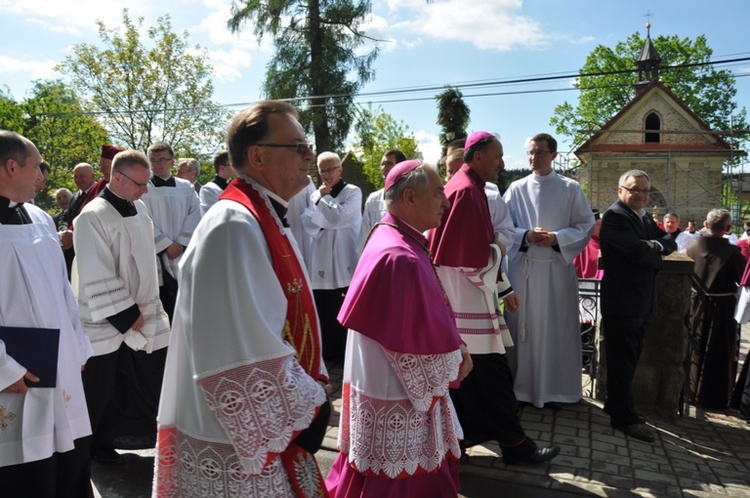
x=706, y=455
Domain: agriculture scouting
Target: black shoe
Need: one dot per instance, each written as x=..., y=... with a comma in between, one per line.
x=107, y=456
x=539, y=455
x=638, y=431
x=553, y=405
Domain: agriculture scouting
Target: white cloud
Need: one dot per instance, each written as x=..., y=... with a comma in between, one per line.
x=429, y=146
x=33, y=69
x=495, y=25
x=229, y=64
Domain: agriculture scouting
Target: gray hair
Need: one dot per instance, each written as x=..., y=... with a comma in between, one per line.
x=191, y=163
x=635, y=173
x=63, y=191
x=718, y=219
x=672, y=214
x=414, y=179
x=329, y=156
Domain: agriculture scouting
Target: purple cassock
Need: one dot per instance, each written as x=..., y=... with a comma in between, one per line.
x=399, y=432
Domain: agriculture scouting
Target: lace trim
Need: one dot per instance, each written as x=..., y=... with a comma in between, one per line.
x=260, y=407
x=424, y=376
x=189, y=467
x=266, y=200
x=390, y=438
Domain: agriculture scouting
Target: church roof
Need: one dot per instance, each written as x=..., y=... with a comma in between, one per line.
x=598, y=143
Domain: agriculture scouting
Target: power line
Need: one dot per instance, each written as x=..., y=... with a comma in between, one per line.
x=351, y=98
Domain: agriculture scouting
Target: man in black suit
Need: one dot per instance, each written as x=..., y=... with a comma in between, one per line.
x=632, y=246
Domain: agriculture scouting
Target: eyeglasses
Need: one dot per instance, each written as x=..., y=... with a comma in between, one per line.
x=536, y=152
x=138, y=184
x=635, y=191
x=160, y=160
x=301, y=149
x=329, y=170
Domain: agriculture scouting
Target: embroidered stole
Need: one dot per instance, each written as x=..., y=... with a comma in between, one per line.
x=300, y=326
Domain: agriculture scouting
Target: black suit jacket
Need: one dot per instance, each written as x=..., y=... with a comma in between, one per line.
x=630, y=266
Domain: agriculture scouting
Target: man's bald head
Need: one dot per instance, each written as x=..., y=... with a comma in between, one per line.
x=83, y=175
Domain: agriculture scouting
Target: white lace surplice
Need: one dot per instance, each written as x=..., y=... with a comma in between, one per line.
x=397, y=417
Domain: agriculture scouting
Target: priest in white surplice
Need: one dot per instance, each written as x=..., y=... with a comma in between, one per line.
x=243, y=408
x=211, y=191
x=332, y=221
x=43, y=430
x=175, y=210
x=115, y=280
x=374, y=208
x=553, y=223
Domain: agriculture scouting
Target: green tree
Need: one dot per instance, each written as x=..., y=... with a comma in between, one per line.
x=316, y=55
x=453, y=116
x=145, y=94
x=11, y=112
x=377, y=133
x=708, y=92
x=53, y=117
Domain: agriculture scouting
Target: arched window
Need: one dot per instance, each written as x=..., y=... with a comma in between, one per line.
x=653, y=126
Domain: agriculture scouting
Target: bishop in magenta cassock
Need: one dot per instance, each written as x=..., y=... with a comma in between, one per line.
x=399, y=433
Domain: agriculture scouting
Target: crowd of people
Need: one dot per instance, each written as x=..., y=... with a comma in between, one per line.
x=198, y=319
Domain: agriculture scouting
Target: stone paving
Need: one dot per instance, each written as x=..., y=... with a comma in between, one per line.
x=706, y=454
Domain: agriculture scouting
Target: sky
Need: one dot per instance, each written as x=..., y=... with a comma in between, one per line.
x=425, y=45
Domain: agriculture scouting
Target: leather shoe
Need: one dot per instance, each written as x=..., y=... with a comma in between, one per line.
x=539, y=455
x=107, y=456
x=638, y=431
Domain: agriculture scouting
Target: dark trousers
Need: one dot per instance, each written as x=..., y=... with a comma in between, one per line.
x=168, y=294
x=328, y=303
x=63, y=475
x=623, y=336
x=122, y=392
x=486, y=404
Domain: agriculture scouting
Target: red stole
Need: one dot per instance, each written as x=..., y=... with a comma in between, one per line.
x=301, y=325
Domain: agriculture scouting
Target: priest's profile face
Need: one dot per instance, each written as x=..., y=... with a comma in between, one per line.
x=29, y=174
x=489, y=162
x=429, y=203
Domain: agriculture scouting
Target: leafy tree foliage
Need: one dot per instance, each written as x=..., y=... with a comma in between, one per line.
x=317, y=44
x=377, y=133
x=146, y=94
x=453, y=116
x=708, y=92
x=53, y=117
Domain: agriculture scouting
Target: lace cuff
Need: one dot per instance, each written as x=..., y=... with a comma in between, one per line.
x=262, y=406
x=425, y=377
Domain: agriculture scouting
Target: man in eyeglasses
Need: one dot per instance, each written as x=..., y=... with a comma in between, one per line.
x=468, y=257
x=115, y=281
x=374, y=208
x=175, y=209
x=553, y=224
x=243, y=409
x=632, y=248
x=332, y=220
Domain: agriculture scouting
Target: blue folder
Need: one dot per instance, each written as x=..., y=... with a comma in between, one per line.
x=34, y=349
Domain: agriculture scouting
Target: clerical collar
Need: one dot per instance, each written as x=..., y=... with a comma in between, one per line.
x=336, y=189
x=279, y=205
x=13, y=213
x=159, y=182
x=221, y=182
x=125, y=207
